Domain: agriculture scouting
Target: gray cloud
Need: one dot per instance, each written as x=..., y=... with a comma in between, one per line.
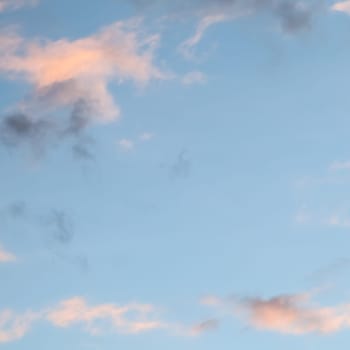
x=338, y=268
x=205, y=326
x=62, y=227
x=293, y=15
x=182, y=166
x=19, y=129
x=17, y=209
x=81, y=151
x=56, y=227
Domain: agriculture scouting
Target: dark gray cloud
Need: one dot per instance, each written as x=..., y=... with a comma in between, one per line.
x=44, y=124
x=19, y=129
x=294, y=16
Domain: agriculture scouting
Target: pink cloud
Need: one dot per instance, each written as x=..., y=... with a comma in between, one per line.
x=75, y=75
x=6, y=256
x=129, y=319
x=288, y=314
x=13, y=326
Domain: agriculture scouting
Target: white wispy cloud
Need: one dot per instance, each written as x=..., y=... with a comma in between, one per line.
x=126, y=144
x=293, y=16
x=186, y=47
x=194, y=77
x=146, y=136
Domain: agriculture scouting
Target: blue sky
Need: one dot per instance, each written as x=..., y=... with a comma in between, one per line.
x=175, y=174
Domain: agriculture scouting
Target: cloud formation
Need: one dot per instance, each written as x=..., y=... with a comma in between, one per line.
x=342, y=6
x=194, y=77
x=338, y=165
x=5, y=256
x=62, y=227
x=8, y=5
x=288, y=314
x=128, y=319
x=14, y=326
x=182, y=166
x=292, y=16
x=97, y=320
x=74, y=76
x=205, y=326
x=129, y=144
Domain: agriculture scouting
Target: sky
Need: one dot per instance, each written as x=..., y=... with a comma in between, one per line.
x=174, y=174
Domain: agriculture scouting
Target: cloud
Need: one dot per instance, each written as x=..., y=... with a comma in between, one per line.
x=5, y=256
x=293, y=16
x=342, y=6
x=194, y=77
x=81, y=151
x=13, y=326
x=96, y=320
x=7, y=5
x=70, y=79
x=206, y=326
x=335, y=166
x=19, y=129
x=336, y=220
x=292, y=314
x=17, y=209
x=62, y=226
x=182, y=166
x=126, y=144
x=186, y=48
x=146, y=136
x=127, y=319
